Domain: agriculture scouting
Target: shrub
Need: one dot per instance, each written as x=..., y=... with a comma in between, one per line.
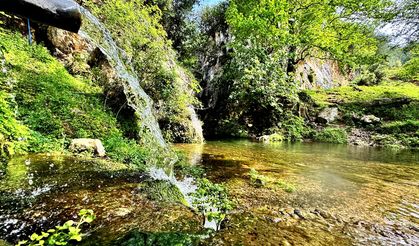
x=332, y=135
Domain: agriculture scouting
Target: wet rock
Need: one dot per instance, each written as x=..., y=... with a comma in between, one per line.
x=299, y=213
x=276, y=220
x=289, y=211
x=360, y=137
x=87, y=145
x=122, y=212
x=322, y=213
x=259, y=182
x=276, y=137
x=285, y=243
x=327, y=115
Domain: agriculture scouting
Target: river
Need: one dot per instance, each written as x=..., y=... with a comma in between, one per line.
x=317, y=194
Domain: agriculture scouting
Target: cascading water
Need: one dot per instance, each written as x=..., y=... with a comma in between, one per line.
x=94, y=31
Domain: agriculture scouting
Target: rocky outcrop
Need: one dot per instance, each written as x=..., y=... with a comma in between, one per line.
x=94, y=146
x=327, y=115
x=70, y=48
x=314, y=73
x=81, y=56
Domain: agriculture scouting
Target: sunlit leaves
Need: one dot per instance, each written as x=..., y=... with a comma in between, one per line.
x=69, y=232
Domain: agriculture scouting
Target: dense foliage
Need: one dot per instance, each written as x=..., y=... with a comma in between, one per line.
x=252, y=86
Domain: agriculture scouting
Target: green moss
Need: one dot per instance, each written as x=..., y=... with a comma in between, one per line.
x=12, y=132
x=331, y=135
x=257, y=179
x=164, y=191
x=288, y=187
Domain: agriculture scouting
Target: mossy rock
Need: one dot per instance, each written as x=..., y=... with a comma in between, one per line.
x=163, y=191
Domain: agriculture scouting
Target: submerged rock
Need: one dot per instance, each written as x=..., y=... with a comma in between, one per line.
x=87, y=145
x=327, y=115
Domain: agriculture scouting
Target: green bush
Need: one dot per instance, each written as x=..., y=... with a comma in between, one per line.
x=410, y=70
x=294, y=128
x=212, y=201
x=400, y=127
x=332, y=135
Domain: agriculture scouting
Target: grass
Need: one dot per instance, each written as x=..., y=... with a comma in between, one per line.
x=52, y=106
x=399, y=118
x=364, y=94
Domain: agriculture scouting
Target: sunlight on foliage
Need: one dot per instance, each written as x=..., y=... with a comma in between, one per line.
x=66, y=234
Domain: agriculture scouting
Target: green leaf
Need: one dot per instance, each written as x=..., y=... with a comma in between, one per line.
x=76, y=237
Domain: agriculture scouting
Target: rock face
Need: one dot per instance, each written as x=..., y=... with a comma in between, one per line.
x=87, y=145
x=81, y=56
x=327, y=115
x=70, y=48
x=315, y=73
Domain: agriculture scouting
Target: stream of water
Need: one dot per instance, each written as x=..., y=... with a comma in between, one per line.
x=343, y=195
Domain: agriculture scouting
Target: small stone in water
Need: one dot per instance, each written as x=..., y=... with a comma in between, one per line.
x=277, y=220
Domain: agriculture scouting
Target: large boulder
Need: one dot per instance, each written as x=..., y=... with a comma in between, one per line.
x=80, y=145
x=328, y=115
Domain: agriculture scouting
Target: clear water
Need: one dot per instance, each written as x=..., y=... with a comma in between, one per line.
x=371, y=195
x=345, y=196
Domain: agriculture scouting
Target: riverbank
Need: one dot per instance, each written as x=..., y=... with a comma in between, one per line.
x=381, y=115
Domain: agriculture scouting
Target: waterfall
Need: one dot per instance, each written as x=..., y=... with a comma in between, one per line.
x=196, y=125
x=94, y=31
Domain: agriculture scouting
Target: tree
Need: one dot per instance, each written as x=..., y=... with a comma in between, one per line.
x=404, y=21
x=327, y=29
